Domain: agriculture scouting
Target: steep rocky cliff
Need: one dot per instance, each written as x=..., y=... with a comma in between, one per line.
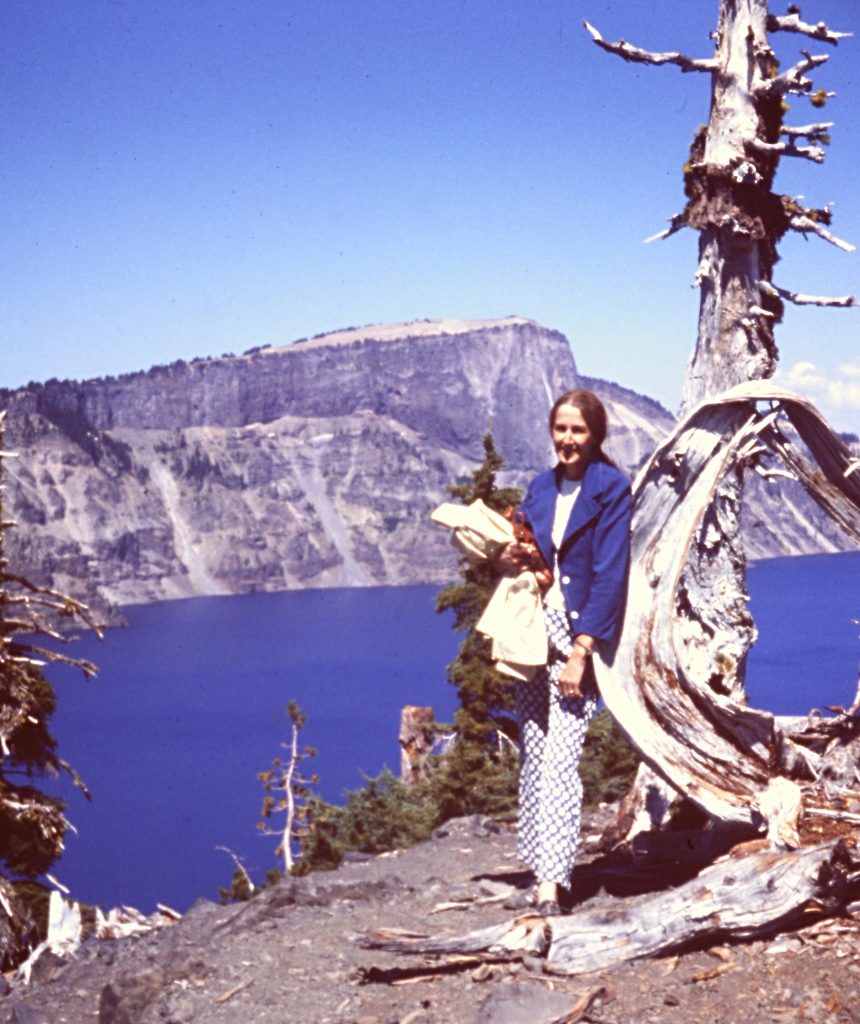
x=310, y=465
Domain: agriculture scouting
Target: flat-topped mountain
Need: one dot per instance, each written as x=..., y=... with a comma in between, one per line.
x=314, y=464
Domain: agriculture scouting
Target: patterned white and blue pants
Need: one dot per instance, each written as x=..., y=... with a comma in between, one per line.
x=552, y=733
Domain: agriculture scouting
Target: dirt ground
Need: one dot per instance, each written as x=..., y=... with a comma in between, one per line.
x=292, y=955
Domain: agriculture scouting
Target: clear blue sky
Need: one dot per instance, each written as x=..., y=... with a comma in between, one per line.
x=190, y=178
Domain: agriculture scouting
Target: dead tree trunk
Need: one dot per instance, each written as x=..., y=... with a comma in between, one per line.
x=728, y=182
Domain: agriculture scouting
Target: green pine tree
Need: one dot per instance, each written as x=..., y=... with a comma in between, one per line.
x=486, y=696
x=608, y=763
x=479, y=775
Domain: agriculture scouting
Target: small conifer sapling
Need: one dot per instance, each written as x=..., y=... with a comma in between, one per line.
x=286, y=792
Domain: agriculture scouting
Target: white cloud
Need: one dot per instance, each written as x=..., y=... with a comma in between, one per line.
x=836, y=393
x=803, y=377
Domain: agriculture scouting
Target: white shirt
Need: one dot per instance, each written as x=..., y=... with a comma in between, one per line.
x=568, y=490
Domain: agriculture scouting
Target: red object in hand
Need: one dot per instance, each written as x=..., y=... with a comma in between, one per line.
x=525, y=538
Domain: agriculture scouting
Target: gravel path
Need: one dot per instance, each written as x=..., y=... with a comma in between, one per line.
x=290, y=956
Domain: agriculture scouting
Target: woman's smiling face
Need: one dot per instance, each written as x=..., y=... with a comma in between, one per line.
x=573, y=441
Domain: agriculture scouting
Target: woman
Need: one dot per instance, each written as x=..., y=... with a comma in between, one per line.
x=580, y=515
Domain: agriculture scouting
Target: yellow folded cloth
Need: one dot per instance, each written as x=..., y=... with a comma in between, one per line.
x=513, y=618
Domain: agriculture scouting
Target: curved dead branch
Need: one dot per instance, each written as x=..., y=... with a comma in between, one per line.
x=720, y=753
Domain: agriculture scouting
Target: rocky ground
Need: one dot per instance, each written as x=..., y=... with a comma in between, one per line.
x=290, y=955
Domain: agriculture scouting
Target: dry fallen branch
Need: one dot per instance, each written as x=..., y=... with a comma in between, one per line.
x=754, y=896
x=235, y=990
x=827, y=812
x=580, y=1008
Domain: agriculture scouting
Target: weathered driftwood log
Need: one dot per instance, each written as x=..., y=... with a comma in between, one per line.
x=745, y=898
x=715, y=750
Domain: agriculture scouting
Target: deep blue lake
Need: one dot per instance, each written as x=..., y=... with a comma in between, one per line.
x=190, y=705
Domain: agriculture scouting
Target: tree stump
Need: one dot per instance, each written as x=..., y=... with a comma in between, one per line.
x=416, y=741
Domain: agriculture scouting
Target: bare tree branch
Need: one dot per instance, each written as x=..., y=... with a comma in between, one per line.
x=793, y=79
x=47, y=655
x=76, y=779
x=813, y=132
x=805, y=225
x=800, y=299
x=792, y=23
x=676, y=222
x=636, y=55
x=790, y=148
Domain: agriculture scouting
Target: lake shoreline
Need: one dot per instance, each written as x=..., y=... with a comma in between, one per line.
x=190, y=706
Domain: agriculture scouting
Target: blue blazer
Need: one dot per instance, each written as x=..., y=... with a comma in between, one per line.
x=595, y=552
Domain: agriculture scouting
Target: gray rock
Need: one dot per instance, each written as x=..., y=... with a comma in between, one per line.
x=522, y=1002
x=48, y=967
x=126, y=1000
x=356, y=857
x=24, y=1014
x=176, y=1008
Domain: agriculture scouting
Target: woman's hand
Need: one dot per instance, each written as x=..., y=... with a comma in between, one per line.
x=512, y=558
x=572, y=675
